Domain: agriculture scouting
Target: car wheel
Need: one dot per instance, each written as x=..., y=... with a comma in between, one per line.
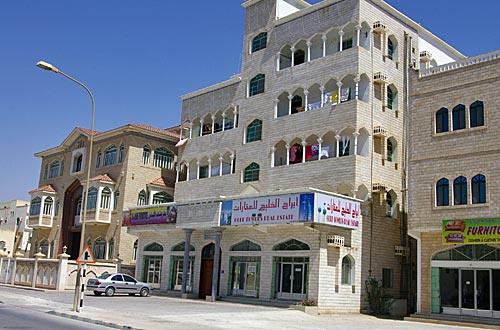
x=97, y=293
x=144, y=292
x=110, y=291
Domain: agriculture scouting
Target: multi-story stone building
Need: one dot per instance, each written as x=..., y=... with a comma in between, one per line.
x=130, y=165
x=453, y=166
x=14, y=232
x=291, y=180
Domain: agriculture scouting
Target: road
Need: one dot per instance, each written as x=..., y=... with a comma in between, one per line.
x=158, y=312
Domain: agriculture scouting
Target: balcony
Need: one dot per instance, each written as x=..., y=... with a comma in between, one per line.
x=96, y=216
x=425, y=56
x=40, y=221
x=378, y=27
x=379, y=78
x=379, y=131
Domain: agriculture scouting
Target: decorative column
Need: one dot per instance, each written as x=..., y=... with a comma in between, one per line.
x=304, y=144
x=215, y=272
x=276, y=102
x=308, y=43
x=356, y=80
x=223, y=121
x=190, y=130
x=278, y=58
x=232, y=163
x=177, y=173
x=209, y=168
x=339, y=86
x=358, y=34
x=185, y=264
x=213, y=124
x=293, y=56
x=323, y=37
x=273, y=150
x=341, y=34
x=287, y=146
x=150, y=197
x=197, y=170
x=322, y=89
x=201, y=127
x=355, y=134
x=220, y=165
x=320, y=140
x=290, y=97
x=235, y=112
x=337, y=154
x=306, y=100
x=187, y=171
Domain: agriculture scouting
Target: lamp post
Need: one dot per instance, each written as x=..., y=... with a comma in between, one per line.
x=50, y=67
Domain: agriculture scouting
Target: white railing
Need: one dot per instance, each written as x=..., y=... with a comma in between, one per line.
x=460, y=64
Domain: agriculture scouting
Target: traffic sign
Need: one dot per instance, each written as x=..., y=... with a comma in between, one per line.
x=86, y=257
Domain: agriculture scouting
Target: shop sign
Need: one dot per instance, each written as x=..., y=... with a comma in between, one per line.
x=337, y=211
x=471, y=231
x=151, y=215
x=268, y=210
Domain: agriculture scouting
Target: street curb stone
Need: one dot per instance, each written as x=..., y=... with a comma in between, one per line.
x=89, y=320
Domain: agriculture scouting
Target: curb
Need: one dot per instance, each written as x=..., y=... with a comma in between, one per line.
x=89, y=320
x=28, y=288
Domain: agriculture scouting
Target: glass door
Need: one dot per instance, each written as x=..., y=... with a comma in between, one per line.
x=178, y=267
x=298, y=278
x=291, y=280
x=476, y=293
x=483, y=293
x=245, y=279
x=153, y=272
x=468, y=288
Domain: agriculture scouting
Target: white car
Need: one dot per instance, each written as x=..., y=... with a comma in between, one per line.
x=110, y=284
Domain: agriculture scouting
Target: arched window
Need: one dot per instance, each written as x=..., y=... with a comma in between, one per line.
x=78, y=209
x=296, y=104
x=254, y=131
x=61, y=171
x=121, y=153
x=92, y=198
x=163, y=158
x=477, y=114
x=291, y=245
x=347, y=270
x=246, y=245
x=392, y=48
x=54, y=169
x=460, y=191
x=77, y=163
x=458, y=117
x=162, y=197
x=479, y=189
x=259, y=42
x=251, y=173
x=110, y=156
x=146, y=153
x=35, y=206
x=142, y=198
x=390, y=202
x=257, y=85
x=134, y=250
x=98, y=159
x=480, y=252
x=389, y=150
x=443, y=192
x=46, y=172
x=47, y=206
x=105, y=198
x=392, y=97
x=442, y=120
x=99, y=248
x=116, y=200
x=181, y=246
x=44, y=247
x=111, y=248
x=153, y=247
x=299, y=57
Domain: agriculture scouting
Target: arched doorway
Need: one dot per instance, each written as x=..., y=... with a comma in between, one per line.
x=207, y=270
x=70, y=228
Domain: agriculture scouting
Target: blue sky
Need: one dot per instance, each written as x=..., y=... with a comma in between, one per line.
x=138, y=57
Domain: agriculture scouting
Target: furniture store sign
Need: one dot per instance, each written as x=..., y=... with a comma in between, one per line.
x=309, y=207
x=151, y=215
x=471, y=231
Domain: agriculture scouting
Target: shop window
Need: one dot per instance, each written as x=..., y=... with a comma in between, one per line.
x=460, y=191
x=254, y=131
x=251, y=173
x=479, y=189
x=257, y=85
x=347, y=270
x=99, y=248
x=153, y=247
x=387, y=278
x=178, y=267
x=442, y=120
x=477, y=114
x=181, y=246
x=443, y=192
x=291, y=245
x=458, y=113
x=246, y=245
x=259, y=42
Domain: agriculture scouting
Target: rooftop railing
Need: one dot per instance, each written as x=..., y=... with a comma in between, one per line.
x=460, y=64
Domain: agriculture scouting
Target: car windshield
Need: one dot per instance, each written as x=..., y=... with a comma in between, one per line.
x=104, y=276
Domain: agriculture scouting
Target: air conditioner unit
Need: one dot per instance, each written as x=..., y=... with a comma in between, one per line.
x=335, y=240
x=400, y=250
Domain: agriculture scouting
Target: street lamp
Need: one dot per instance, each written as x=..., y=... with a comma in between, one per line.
x=50, y=67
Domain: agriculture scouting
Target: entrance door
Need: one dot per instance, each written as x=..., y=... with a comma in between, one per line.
x=153, y=271
x=245, y=279
x=476, y=292
x=292, y=280
x=206, y=271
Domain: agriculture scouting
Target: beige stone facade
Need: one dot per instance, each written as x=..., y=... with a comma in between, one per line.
x=332, y=78
x=453, y=173
x=125, y=167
